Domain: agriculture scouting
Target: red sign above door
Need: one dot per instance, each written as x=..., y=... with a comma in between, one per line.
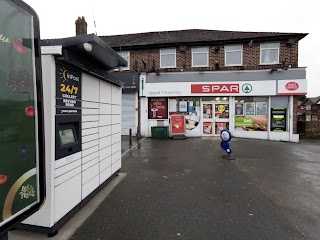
x=215, y=88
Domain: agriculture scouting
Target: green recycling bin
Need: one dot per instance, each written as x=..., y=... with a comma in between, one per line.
x=160, y=132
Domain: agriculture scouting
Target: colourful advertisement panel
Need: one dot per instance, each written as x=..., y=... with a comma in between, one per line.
x=21, y=147
x=158, y=108
x=251, y=123
x=178, y=124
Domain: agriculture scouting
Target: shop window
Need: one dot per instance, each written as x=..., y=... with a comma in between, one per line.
x=233, y=55
x=219, y=126
x=200, y=56
x=168, y=58
x=315, y=118
x=251, y=114
x=269, y=53
x=126, y=56
x=222, y=110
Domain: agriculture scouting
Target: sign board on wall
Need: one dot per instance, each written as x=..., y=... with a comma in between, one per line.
x=178, y=124
x=68, y=90
x=292, y=87
x=157, y=108
x=243, y=88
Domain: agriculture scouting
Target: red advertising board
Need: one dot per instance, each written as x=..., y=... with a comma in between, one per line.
x=178, y=124
x=158, y=108
x=215, y=88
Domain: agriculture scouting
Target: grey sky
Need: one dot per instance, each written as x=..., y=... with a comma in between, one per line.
x=57, y=19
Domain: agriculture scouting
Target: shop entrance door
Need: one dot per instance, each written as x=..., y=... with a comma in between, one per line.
x=215, y=117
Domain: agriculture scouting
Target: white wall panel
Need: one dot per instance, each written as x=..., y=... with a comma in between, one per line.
x=90, y=173
x=115, y=167
x=68, y=175
x=90, y=186
x=59, y=171
x=89, y=151
x=104, y=120
x=106, y=152
x=90, y=124
x=90, y=118
x=115, y=138
x=105, y=174
x=116, y=109
x=116, y=95
x=90, y=111
x=104, y=142
x=89, y=131
x=105, y=163
x=90, y=157
x=104, y=131
x=90, y=138
x=105, y=108
x=90, y=164
x=86, y=104
x=90, y=144
x=116, y=148
x=115, y=157
x=105, y=92
x=66, y=197
x=116, y=129
x=90, y=88
x=116, y=119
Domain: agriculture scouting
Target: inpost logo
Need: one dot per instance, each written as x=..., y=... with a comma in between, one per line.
x=65, y=76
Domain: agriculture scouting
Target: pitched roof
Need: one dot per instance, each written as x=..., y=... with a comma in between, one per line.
x=192, y=36
x=314, y=100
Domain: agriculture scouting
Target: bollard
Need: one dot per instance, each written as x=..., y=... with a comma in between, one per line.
x=130, y=137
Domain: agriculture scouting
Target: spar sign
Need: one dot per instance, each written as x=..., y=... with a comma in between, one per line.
x=215, y=88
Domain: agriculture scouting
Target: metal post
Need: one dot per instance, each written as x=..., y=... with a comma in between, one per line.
x=130, y=137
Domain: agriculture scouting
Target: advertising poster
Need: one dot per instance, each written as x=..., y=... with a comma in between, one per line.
x=172, y=105
x=207, y=127
x=239, y=109
x=178, y=124
x=249, y=109
x=220, y=126
x=19, y=164
x=158, y=108
x=261, y=108
x=251, y=123
x=207, y=110
x=183, y=106
x=68, y=90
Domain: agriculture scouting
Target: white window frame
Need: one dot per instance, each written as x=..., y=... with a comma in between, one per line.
x=277, y=48
x=194, y=51
x=226, y=51
x=122, y=53
x=175, y=57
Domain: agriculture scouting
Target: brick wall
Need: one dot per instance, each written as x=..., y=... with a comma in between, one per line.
x=251, y=59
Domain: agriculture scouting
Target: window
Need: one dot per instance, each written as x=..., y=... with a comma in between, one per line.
x=233, y=55
x=126, y=56
x=200, y=57
x=314, y=118
x=269, y=53
x=168, y=58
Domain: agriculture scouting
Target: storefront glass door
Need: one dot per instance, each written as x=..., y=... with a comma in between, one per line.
x=215, y=117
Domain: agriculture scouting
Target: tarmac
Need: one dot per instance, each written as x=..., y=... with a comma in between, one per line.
x=184, y=189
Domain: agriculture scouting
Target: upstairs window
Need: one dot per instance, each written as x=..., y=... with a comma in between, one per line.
x=200, y=57
x=126, y=56
x=233, y=55
x=269, y=53
x=168, y=58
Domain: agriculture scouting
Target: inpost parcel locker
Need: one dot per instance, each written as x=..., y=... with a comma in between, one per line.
x=82, y=117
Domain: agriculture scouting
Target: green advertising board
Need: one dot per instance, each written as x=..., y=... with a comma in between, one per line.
x=21, y=125
x=243, y=122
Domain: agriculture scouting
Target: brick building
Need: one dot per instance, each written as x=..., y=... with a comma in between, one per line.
x=245, y=81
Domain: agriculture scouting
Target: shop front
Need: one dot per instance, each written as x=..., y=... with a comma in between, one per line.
x=261, y=109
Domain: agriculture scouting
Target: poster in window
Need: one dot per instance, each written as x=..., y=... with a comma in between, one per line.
x=158, y=108
x=239, y=109
x=261, y=108
x=251, y=123
x=172, y=105
x=249, y=108
x=183, y=106
x=207, y=127
x=207, y=110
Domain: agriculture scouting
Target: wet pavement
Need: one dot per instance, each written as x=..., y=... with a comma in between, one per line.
x=184, y=189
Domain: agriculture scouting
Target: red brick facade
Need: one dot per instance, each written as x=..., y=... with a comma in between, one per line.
x=251, y=59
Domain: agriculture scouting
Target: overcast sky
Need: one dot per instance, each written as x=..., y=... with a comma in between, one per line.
x=57, y=20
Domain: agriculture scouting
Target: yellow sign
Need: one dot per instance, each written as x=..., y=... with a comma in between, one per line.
x=221, y=108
